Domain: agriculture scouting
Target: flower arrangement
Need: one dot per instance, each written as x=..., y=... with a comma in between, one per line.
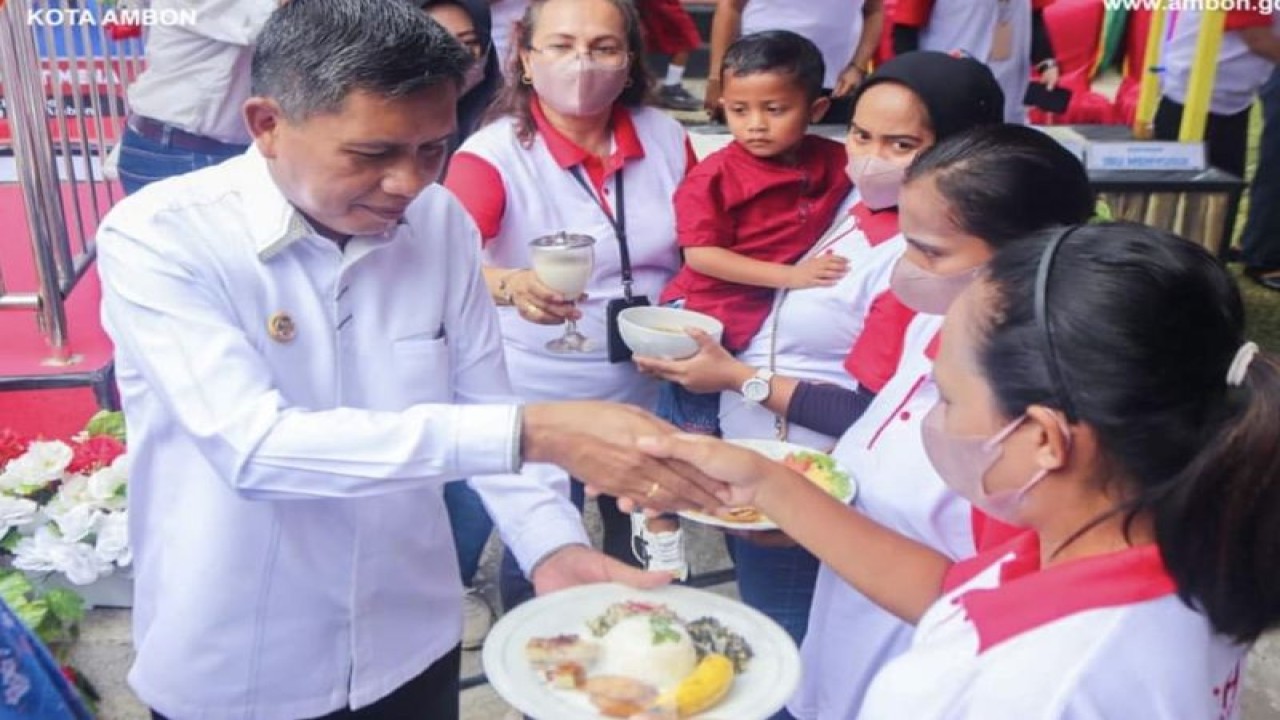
x=62, y=504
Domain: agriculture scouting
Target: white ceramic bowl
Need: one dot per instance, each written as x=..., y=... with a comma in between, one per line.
x=658, y=332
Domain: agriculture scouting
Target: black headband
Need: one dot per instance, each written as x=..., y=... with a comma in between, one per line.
x=1042, y=319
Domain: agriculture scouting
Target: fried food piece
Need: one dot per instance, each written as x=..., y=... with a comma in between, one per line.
x=620, y=697
x=566, y=676
x=740, y=515
x=548, y=652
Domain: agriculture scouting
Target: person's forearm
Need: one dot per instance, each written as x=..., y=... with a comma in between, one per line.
x=872, y=27
x=828, y=409
x=895, y=572
x=726, y=26
x=1262, y=41
x=1041, y=43
x=727, y=265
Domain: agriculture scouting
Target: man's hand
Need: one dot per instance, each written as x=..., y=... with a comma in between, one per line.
x=849, y=79
x=596, y=443
x=746, y=471
x=580, y=565
x=711, y=101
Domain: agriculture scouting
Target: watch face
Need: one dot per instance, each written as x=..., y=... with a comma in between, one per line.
x=755, y=390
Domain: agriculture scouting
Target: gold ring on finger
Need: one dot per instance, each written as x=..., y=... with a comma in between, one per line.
x=653, y=490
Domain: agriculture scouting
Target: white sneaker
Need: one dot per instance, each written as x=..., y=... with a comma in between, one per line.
x=659, y=551
x=477, y=618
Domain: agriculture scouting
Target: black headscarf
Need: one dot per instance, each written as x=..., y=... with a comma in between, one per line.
x=471, y=107
x=958, y=91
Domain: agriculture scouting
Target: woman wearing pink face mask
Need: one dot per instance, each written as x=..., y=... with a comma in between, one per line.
x=962, y=199
x=573, y=148
x=1129, y=432
x=799, y=355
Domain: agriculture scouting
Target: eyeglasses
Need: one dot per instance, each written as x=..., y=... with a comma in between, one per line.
x=607, y=55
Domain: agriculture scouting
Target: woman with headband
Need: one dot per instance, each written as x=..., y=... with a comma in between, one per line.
x=1129, y=431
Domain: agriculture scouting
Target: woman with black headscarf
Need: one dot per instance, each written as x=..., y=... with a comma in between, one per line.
x=469, y=21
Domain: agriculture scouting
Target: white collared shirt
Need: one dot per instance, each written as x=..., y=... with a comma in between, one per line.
x=197, y=75
x=292, y=550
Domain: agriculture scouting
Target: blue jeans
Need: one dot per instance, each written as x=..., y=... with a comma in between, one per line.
x=777, y=581
x=471, y=526
x=691, y=412
x=514, y=588
x=144, y=161
x=1260, y=244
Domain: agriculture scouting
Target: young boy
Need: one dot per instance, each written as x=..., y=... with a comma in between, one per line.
x=746, y=214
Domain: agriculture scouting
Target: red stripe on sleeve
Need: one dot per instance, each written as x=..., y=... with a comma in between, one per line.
x=478, y=186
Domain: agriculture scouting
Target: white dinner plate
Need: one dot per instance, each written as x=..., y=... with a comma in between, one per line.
x=775, y=450
x=770, y=678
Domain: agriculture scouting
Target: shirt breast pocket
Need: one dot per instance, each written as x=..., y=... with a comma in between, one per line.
x=423, y=370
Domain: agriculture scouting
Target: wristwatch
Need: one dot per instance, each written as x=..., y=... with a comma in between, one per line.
x=756, y=389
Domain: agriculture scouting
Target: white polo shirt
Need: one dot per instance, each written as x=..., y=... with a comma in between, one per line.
x=835, y=26
x=1098, y=637
x=850, y=638
x=817, y=326
x=542, y=198
x=1240, y=72
x=197, y=76
x=294, y=411
x=970, y=25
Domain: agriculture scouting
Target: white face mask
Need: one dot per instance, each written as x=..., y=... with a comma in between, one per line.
x=878, y=180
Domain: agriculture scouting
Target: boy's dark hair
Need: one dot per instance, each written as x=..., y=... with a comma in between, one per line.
x=312, y=54
x=1144, y=326
x=776, y=51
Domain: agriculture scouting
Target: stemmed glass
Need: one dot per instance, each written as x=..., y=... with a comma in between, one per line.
x=564, y=262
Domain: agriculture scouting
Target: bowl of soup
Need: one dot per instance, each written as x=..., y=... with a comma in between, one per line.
x=659, y=332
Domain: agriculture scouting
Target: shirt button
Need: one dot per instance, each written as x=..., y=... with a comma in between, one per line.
x=905, y=416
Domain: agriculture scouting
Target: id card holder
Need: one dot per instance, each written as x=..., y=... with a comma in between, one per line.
x=618, y=350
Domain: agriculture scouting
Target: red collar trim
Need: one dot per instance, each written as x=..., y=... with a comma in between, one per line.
x=1029, y=597
x=876, y=225
x=931, y=350
x=566, y=153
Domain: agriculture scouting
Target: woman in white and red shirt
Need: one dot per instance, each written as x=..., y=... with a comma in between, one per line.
x=573, y=135
x=1130, y=431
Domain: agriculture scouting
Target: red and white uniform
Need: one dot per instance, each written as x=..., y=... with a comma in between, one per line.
x=516, y=194
x=1240, y=71
x=851, y=638
x=996, y=32
x=1099, y=637
x=835, y=26
x=817, y=326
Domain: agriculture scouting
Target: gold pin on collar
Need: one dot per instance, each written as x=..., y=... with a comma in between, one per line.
x=281, y=328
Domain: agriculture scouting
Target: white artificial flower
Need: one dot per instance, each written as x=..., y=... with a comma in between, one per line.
x=76, y=522
x=46, y=551
x=15, y=512
x=41, y=464
x=73, y=492
x=106, y=487
x=113, y=539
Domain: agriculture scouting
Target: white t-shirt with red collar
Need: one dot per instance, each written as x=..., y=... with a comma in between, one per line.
x=851, y=638
x=1098, y=637
x=517, y=193
x=810, y=331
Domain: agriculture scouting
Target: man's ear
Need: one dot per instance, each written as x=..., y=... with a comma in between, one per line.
x=818, y=109
x=264, y=118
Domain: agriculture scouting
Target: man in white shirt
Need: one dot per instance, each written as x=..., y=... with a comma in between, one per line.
x=185, y=107
x=306, y=354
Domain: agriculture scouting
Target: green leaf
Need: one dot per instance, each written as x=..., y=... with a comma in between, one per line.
x=107, y=422
x=33, y=614
x=11, y=540
x=66, y=605
x=1101, y=212
x=14, y=587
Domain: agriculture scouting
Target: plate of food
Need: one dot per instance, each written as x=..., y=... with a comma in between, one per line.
x=610, y=651
x=820, y=468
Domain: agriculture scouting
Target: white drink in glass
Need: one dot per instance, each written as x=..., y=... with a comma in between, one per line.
x=566, y=270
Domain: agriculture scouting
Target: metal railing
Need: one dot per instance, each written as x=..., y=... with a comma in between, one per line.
x=64, y=83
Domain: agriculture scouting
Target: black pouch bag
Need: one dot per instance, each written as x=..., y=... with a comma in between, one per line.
x=618, y=350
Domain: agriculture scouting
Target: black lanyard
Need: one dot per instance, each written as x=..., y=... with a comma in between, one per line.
x=617, y=218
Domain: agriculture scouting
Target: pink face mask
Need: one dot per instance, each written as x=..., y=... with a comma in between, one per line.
x=878, y=180
x=963, y=463
x=576, y=85
x=925, y=291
